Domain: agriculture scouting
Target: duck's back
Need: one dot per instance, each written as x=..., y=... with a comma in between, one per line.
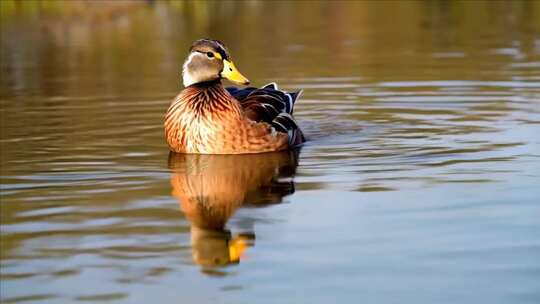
x=273, y=106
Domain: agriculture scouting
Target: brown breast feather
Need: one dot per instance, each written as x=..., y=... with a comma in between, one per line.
x=207, y=119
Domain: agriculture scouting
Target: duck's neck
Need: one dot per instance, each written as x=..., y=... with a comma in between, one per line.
x=207, y=85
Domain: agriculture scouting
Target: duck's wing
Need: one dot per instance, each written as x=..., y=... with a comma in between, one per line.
x=271, y=105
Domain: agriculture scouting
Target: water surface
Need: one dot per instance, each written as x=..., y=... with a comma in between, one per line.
x=419, y=183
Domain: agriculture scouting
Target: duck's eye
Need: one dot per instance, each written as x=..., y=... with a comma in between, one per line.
x=210, y=54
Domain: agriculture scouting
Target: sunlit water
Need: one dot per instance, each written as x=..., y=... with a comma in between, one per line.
x=420, y=182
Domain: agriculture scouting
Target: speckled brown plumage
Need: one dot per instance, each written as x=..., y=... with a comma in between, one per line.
x=205, y=118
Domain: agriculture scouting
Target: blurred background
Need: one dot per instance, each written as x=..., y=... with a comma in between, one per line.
x=419, y=182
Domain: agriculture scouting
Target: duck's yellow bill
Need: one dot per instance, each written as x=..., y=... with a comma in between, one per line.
x=230, y=72
x=236, y=249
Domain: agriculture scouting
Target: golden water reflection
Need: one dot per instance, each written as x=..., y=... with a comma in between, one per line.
x=210, y=188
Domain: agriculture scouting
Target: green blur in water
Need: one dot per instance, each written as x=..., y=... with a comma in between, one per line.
x=419, y=182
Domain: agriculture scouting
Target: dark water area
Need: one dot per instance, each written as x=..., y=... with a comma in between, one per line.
x=420, y=182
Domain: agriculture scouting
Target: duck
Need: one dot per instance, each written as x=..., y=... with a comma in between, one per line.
x=207, y=118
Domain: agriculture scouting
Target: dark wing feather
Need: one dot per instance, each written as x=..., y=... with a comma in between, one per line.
x=240, y=94
x=269, y=94
x=285, y=123
x=273, y=106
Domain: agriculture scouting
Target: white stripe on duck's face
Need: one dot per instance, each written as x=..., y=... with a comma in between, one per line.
x=199, y=67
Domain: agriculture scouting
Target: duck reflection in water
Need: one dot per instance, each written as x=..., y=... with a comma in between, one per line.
x=210, y=188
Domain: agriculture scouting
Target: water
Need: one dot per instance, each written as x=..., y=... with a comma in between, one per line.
x=419, y=183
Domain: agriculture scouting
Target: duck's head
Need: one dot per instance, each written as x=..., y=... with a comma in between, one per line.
x=209, y=60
